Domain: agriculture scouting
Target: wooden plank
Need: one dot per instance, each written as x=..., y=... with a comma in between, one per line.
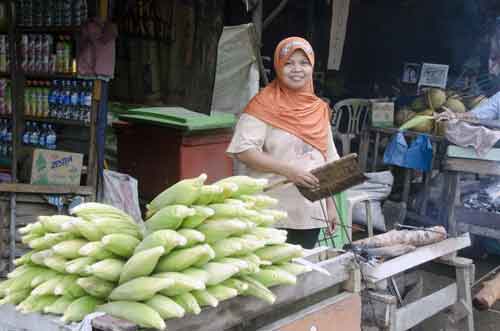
x=110, y=323
x=410, y=260
x=411, y=134
x=340, y=15
x=427, y=182
x=463, y=275
x=232, y=312
x=375, y=151
x=480, y=167
x=343, y=310
x=470, y=153
x=418, y=311
x=45, y=189
x=479, y=230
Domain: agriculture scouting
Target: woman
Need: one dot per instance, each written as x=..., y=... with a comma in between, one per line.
x=285, y=132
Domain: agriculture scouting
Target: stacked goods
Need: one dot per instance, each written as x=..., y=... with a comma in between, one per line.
x=420, y=116
x=201, y=244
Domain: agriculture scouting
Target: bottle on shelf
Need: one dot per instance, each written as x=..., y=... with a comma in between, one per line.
x=35, y=134
x=42, y=139
x=75, y=100
x=27, y=134
x=53, y=99
x=51, y=138
x=27, y=99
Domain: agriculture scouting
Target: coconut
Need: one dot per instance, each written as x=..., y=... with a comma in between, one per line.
x=427, y=126
x=435, y=98
x=455, y=105
x=418, y=104
x=403, y=115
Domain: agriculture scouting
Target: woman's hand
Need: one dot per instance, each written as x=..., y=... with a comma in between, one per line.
x=447, y=115
x=301, y=177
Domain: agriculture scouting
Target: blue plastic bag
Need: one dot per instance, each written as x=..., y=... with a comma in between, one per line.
x=419, y=154
x=395, y=152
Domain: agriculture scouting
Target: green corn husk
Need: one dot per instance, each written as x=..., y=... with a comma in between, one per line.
x=40, y=256
x=69, y=287
x=93, y=210
x=218, y=229
x=32, y=228
x=197, y=273
x=48, y=287
x=241, y=264
x=120, y=244
x=294, y=268
x=25, y=259
x=86, y=229
x=4, y=285
x=417, y=120
x=80, y=308
x=227, y=247
x=37, y=304
x=269, y=235
x=262, y=219
x=250, y=244
x=219, y=272
x=208, y=194
x=79, y=266
x=184, y=192
x=228, y=191
x=96, y=250
x=49, y=240
x=221, y=292
x=232, y=210
x=138, y=313
x=246, y=185
x=15, y=297
x=207, y=256
x=260, y=201
x=249, y=204
x=184, y=258
x=107, y=269
x=192, y=236
x=140, y=289
x=278, y=215
x=182, y=283
x=168, y=239
x=256, y=289
x=96, y=287
x=188, y=302
x=168, y=218
x=110, y=226
x=280, y=253
x=141, y=264
x=54, y=223
x=44, y=276
x=201, y=214
x=29, y=237
x=24, y=280
x=59, y=306
x=237, y=284
x=69, y=248
x=204, y=298
x=272, y=276
x=56, y=263
x=22, y=270
x=166, y=307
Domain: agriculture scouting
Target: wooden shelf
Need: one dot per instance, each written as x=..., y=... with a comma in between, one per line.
x=4, y=74
x=45, y=189
x=55, y=121
x=49, y=76
x=50, y=29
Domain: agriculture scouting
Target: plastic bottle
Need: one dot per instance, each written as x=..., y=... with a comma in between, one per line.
x=67, y=61
x=35, y=135
x=42, y=140
x=60, y=101
x=39, y=100
x=75, y=100
x=48, y=13
x=60, y=55
x=51, y=138
x=67, y=101
x=27, y=134
x=37, y=12
x=28, y=13
x=27, y=99
x=88, y=102
x=46, y=107
x=66, y=12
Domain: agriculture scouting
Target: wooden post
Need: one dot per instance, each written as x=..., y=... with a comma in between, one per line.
x=448, y=199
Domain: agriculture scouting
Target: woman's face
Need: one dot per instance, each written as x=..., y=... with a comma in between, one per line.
x=297, y=71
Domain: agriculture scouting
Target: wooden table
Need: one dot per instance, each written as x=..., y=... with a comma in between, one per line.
x=395, y=316
x=371, y=141
x=459, y=219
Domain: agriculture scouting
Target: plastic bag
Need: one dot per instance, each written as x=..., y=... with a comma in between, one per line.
x=419, y=154
x=395, y=152
x=120, y=190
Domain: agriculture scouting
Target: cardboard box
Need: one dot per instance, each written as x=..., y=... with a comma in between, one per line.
x=51, y=167
x=382, y=114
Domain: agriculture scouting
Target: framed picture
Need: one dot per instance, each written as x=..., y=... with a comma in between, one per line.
x=411, y=73
x=435, y=75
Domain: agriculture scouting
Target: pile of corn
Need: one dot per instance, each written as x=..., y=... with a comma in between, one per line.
x=200, y=245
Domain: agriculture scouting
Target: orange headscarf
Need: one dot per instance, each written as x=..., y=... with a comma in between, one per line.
x=299, y=112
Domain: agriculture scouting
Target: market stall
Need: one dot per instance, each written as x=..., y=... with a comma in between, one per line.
x=53, y=107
